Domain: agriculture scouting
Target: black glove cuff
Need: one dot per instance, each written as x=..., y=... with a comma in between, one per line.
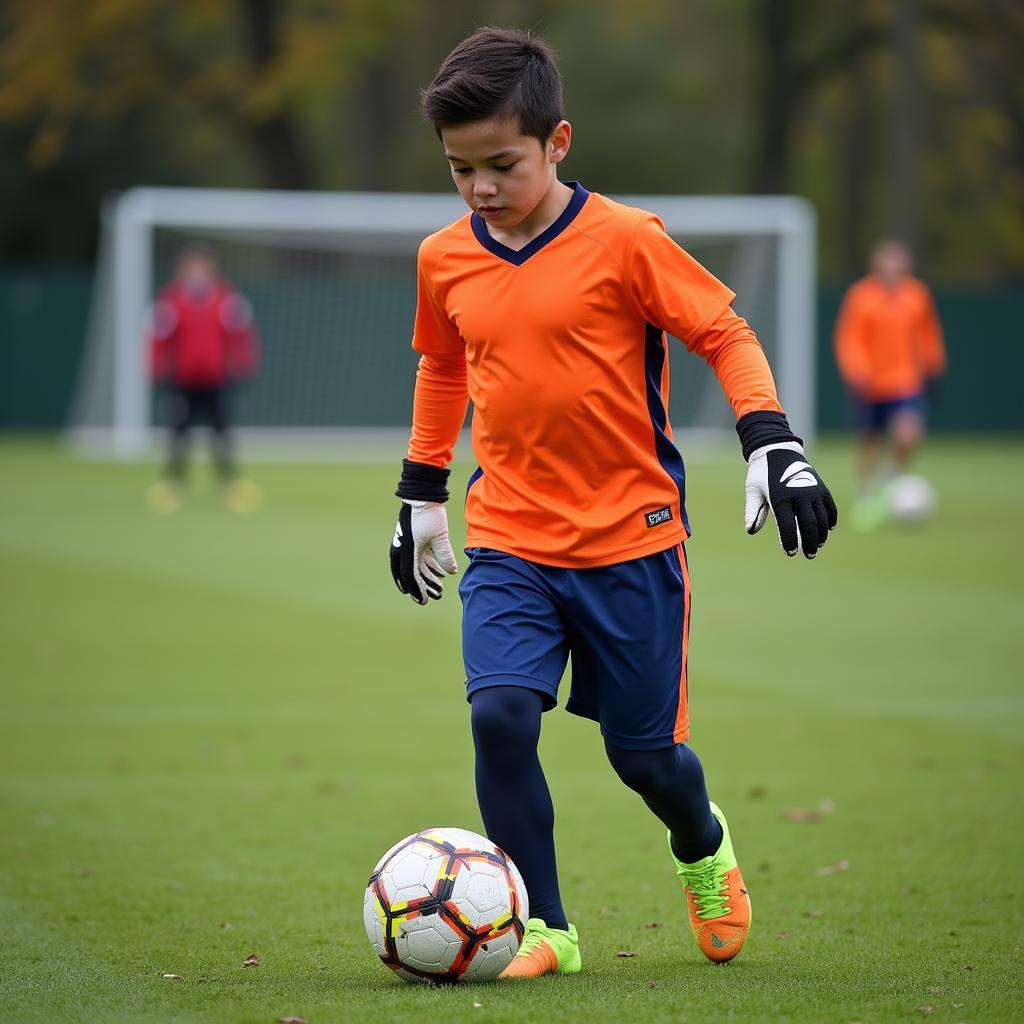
x=421, y=482
x=756, y=429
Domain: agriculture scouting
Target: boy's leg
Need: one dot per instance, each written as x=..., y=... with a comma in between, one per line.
x=515, y=803
x=182, y=416
x=671, y=782
x=907, y=430
x=629, y=632
x=222, y=454
x=515, y=650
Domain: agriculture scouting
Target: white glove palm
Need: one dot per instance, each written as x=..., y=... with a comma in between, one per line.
x=421, y=551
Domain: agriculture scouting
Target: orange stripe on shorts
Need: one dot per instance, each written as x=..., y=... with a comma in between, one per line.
x=682, y=726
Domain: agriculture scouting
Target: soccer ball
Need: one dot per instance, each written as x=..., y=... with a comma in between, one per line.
x=445, y=905
x=911, y=499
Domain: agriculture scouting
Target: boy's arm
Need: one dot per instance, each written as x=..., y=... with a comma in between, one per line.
x=933, y=349
x=851, y=354
x=163, y=328
x=439, y=406
x=421, y=552
x=676, y=293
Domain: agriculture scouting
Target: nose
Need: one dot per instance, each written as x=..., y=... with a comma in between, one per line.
x=483, y=188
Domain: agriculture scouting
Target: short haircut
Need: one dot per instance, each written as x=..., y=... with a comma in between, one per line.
x=494, y=73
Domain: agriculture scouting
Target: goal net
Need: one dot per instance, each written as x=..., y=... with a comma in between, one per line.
x=331, y=280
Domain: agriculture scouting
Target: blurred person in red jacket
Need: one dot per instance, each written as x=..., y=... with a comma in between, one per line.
x=890, y=352
x=203, y=340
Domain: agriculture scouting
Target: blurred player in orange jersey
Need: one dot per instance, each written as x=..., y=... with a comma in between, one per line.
x=202, y=341
x=889, y=348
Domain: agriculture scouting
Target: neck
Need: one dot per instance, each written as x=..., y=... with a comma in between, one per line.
x=543, y=215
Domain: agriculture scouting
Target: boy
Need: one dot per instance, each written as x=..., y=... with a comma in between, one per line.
x=547, y=307
x=889, y=349
x=203, y=340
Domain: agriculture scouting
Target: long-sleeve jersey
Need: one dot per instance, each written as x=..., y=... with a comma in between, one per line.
x=202, y=340
x=561, y=347
x=888, y=341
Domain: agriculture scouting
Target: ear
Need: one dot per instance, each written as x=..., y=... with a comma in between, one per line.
x=558, y=144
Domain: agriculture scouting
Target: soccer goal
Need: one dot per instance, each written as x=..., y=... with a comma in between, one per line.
x=331, y=278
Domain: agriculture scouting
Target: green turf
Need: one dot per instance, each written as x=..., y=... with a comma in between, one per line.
x=212, y=726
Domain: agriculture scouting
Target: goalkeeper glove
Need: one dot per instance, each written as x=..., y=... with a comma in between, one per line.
x=421, y=552
x=781, y=481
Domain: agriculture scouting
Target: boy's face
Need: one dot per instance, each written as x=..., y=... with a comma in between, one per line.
x=502, y=174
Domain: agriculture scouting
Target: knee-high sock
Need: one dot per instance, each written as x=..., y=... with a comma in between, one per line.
x=671, y=782
x=515, y=803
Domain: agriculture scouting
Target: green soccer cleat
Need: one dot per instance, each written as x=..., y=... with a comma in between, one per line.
x=545, y=950
x=870, y=511
x=164, y=497
x=716, y=898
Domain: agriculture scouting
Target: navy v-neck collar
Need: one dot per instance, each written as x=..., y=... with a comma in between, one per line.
x=517, y=257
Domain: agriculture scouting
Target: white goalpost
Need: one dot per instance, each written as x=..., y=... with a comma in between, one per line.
x=331, y=277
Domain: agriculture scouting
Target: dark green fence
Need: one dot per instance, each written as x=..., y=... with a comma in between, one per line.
x=43, y=318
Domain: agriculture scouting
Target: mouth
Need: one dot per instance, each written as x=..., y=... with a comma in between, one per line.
x=485, y=210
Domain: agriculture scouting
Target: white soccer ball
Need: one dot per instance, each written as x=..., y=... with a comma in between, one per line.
x=911, y=499
x=445, y=905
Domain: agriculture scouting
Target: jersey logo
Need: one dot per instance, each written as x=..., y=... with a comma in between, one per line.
x=655, y=518
x=801, y=477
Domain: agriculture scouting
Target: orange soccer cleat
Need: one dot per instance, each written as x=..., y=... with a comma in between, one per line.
x=716, y=898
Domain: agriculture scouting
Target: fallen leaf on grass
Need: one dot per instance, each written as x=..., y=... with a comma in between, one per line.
x=654, y=924
x=252, y=960
x=478, y=1006
x=625, y=953
x=291, y=1020
x=171, y=977
x=811, y=913
x=935, y=990
x=756, y=793
x=83, y=872
x=783, y=935
x=958, y=1006
x=810, y=814
x=801, y=814
x=928, y=1008
x=833, y=869
x=226, y=925
x=296, y=761
x=968, y=967
x=652, y=984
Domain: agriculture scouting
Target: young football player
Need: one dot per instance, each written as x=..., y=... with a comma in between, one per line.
x=203, y=341
x=547, y=306
x=889, y=349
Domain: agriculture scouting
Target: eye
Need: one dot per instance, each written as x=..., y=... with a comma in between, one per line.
x=504, y=168
x=461, y=170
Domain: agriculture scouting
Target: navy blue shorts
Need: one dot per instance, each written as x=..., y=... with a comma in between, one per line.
x=872, y=417
x=624, y=627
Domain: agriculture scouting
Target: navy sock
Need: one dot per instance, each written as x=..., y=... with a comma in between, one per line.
x=515, y=803
x=671, y=782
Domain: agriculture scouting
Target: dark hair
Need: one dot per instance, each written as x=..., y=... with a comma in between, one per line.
x=497, y=72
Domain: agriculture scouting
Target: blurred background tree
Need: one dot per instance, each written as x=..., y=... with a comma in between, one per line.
x=892, y=116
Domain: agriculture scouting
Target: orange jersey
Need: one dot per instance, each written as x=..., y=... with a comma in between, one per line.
x=561, y=347
x=888, y=341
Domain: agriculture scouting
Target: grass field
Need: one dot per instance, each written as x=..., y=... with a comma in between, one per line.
x=212, y=726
